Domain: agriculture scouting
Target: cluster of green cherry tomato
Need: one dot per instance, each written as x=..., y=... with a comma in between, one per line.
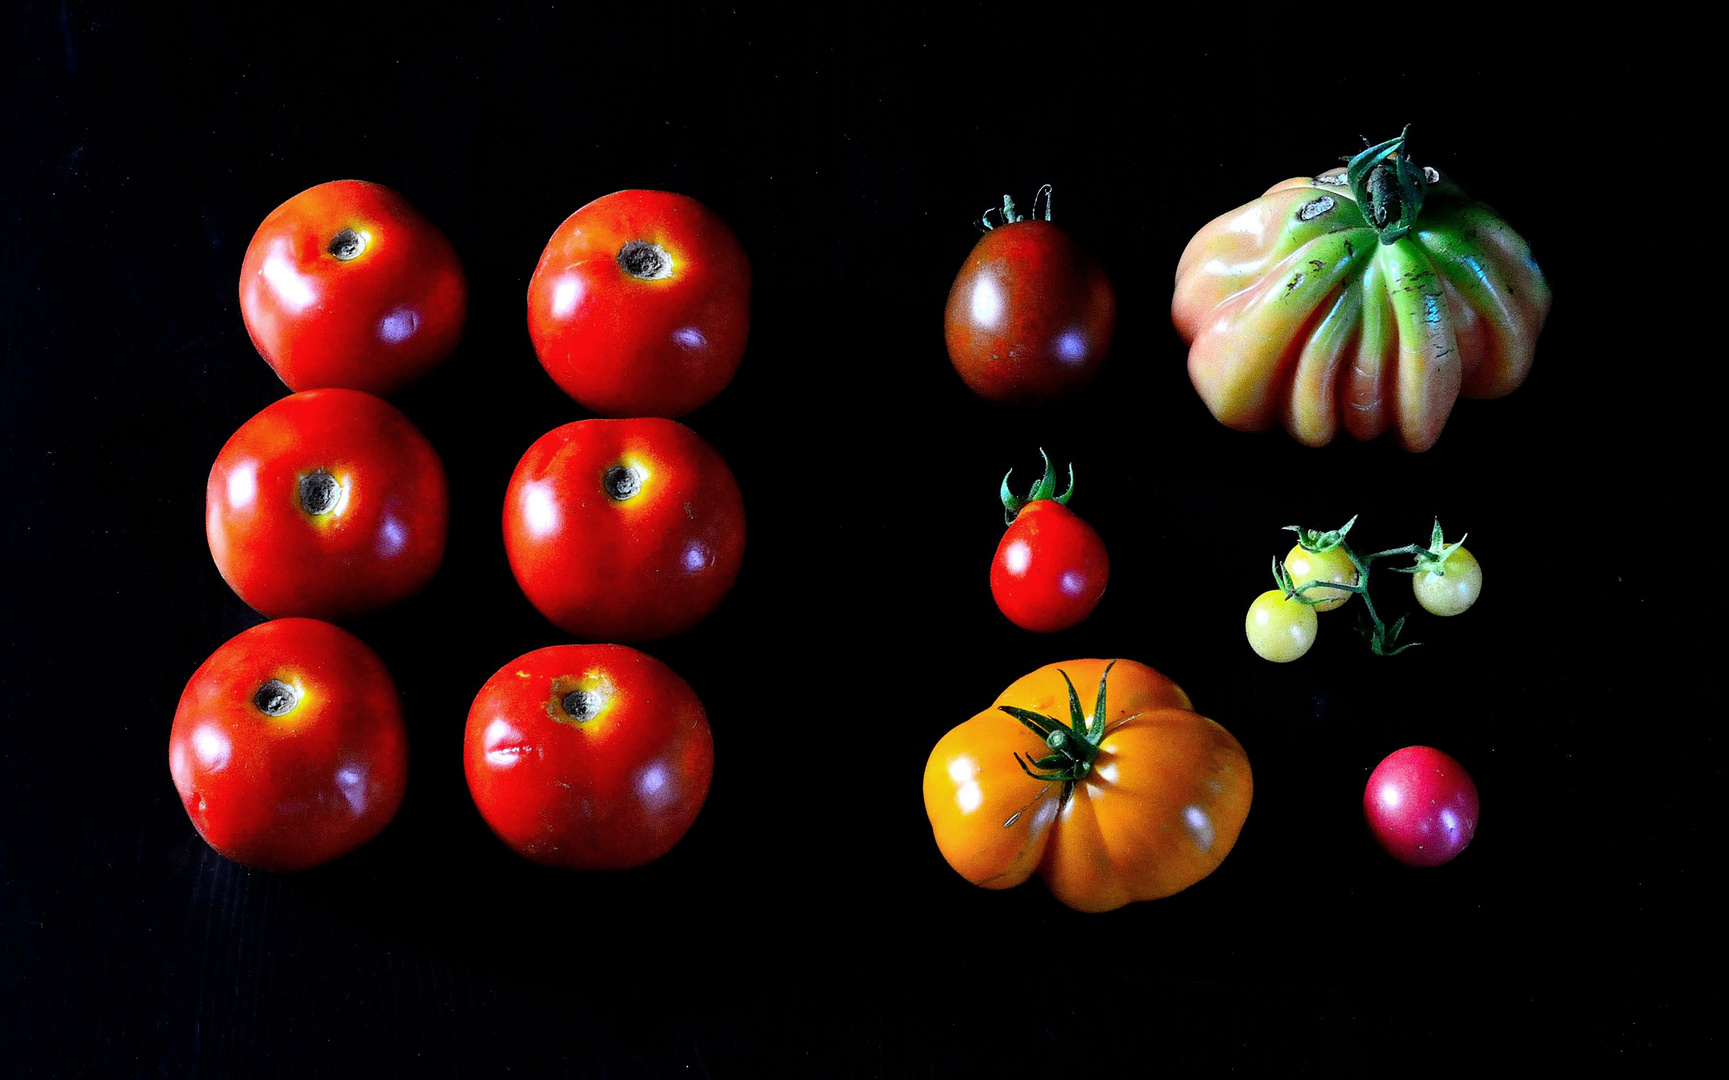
x=288, y=748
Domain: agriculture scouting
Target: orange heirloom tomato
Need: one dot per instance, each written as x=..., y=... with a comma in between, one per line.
x=1140, y=799
x=1369, y=298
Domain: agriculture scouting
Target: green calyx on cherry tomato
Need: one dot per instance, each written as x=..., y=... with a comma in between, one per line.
x=1139, y=799
x=328, y=503
x=1031, y=314
x=347, y=285
x=640, y=305
x=288, y=747
x=1446, y=578
x=588, y=757
x=1370, y=298
x=624, y=529
x=1050, y=568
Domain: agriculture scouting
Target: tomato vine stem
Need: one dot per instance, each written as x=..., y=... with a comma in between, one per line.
x=1381, y=637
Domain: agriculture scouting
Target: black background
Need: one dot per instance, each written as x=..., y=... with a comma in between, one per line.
x=807, y=924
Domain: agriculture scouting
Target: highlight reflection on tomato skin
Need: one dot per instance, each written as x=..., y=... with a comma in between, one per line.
x=348, y=285
x=289, y=789
x=379, y=537
x=591, y=757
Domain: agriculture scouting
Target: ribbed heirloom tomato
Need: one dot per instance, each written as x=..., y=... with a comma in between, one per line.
x=624, y=529
x=288, y=748
x=1368, y=298
x=348, y=285
x=1139, y=799
x=1031, y=314
x=640, y=305
x=328, y=503
x=589, y=757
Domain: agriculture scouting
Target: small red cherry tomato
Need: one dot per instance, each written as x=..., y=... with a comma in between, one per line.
x=1421, y=806
x=1031, y=314
x=288, y=748
x=347, y=285
x=641, y=304
x=1051, y=567
x=589, y=757
x=624, y=529
x=328, y=503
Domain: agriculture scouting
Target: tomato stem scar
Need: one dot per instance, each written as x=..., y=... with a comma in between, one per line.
x=346, y=245
x=319, y=492
x=276, y=698
x=622, y=482
x=645, y=260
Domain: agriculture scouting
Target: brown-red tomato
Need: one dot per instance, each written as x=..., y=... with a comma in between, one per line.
x=288, y=748
x=328, y=503
x=589, y=757
x=1031, y=314
x=640, y=305
x=348, y=285
x=624, y=529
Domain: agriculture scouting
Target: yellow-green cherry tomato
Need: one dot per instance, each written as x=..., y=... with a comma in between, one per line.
x=1280, y=630
x=1332, y=566
x=1452, y=590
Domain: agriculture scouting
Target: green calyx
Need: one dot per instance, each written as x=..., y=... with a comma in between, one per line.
x=1433, y=559
x=1010, y=215
x=1046, y=488
x=1388, y=187
x=1073, y=746
x=1321, y=541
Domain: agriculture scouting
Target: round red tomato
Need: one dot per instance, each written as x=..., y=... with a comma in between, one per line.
x=329, y=503
x=624, y=529
x=288, y=748
x=590, y=757
x=347, y=285
x=1132, y=796
x=1421, y=806
x=1051, y=567
x=641, y=304
x=1031, y=314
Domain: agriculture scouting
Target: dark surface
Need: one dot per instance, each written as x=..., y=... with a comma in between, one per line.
x=807, y=925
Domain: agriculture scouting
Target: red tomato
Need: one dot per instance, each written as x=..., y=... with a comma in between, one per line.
x=288, y=747
x=624, y=529
x=1031, y=314
x=1051, y=567
x=347, y=285
x=590, y=757
x=1129, y=796
x=1421, y=806
x=641, y=304
x=329, y=503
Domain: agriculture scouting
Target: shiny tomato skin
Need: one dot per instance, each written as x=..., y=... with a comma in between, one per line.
x=381, y=538
x=614, y=784
x=1030, y=315
x=1050, y=568
x=290, y=791
x=376, y=321
x=1421, y=806
x=625, y=345
x=636, y=568
x=1160, y=809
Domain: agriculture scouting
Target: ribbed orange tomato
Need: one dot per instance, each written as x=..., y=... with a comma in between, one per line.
x=1140, y=799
